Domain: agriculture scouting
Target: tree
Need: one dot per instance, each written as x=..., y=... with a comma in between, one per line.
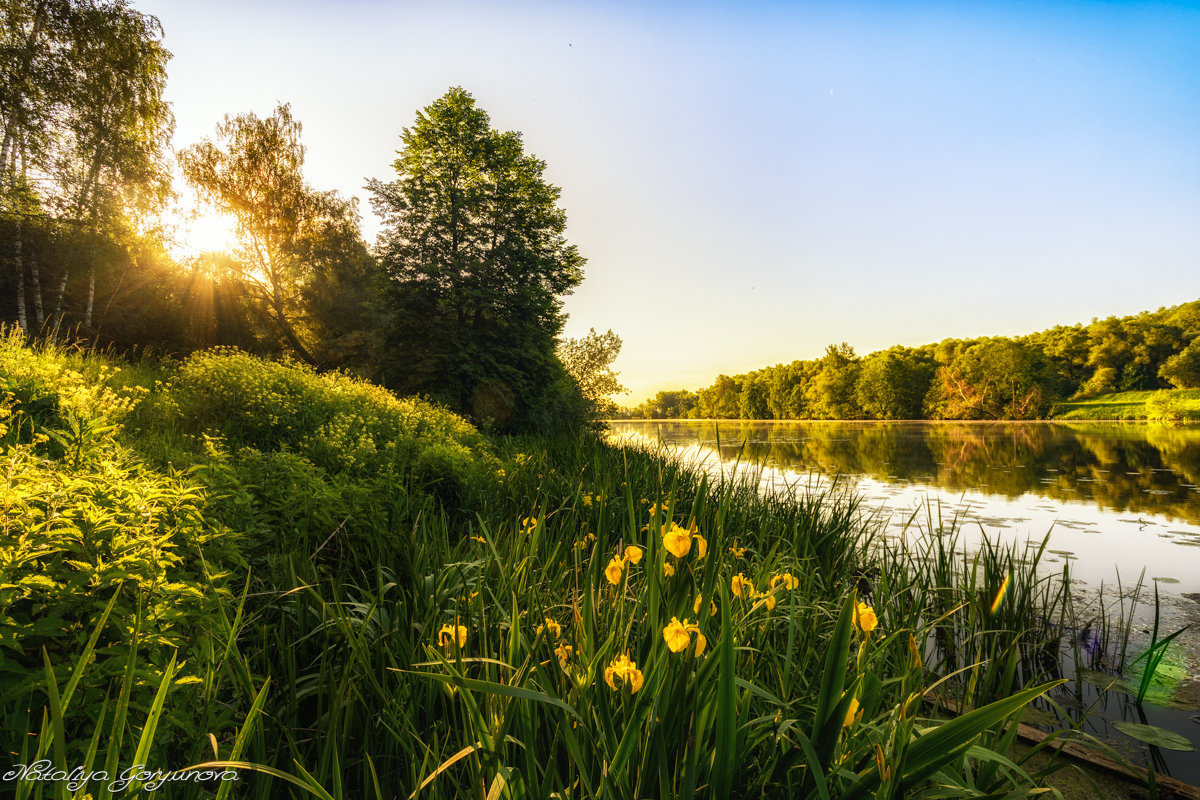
x=831, y=393
x=589, y=362
x=81, y=108
x=300, y=249
x=474, y=249
x=892, y=384
x=1183, y=368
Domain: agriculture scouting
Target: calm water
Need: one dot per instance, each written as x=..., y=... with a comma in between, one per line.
x=1112, y=497
x=1115, y=499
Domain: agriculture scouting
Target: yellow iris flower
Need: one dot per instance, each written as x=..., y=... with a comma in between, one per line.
x=623, y=670
x=677, y=540
x=864, y=618
x=678, y=635
x=668, y=570
x=614, y=569
x=741, y=587
x=553, y=627
x=449, y=633
x=632, y=555
x=788, y=581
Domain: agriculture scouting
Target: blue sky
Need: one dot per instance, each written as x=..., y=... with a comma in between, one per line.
x=752, y=182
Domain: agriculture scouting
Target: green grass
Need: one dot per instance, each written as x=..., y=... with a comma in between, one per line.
x=398, y=606
x=1177, y=404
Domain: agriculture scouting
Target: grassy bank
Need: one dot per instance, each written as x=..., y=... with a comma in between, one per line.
x=345, y=594
x=1165, y=405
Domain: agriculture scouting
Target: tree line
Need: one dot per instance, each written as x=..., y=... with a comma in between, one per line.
x=459, y=301
x=973, y=379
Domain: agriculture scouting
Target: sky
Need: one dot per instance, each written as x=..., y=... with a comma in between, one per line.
x=751, y=182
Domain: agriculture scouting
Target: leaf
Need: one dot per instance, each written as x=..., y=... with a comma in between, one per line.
x=1154, y=735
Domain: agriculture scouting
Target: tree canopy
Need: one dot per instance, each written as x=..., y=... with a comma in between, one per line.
x=474, y=249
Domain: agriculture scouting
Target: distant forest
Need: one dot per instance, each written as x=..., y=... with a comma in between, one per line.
x=972, y=379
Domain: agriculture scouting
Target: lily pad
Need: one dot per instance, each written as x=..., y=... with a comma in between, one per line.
x=1167, y=580
x=1151, y=734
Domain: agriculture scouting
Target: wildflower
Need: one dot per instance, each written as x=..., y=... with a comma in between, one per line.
x=587, y=500
x=450, y=633
x=528, y=524
x=564, y=652
x=632, y=555
x=701, y=546
x=738, y=552
x=553, y=627
x=697, y=604
x=864, y=618
x=677, y=540
x=741, y=587
x=624, y=670
x=678, y=635
x=479, y=539
x=853, y=713
x=787, y=580
x=668, y=570
x=614, y=569
x=769, y=600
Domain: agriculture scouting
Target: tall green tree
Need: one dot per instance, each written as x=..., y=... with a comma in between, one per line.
x=474, y=249
x=300, y=256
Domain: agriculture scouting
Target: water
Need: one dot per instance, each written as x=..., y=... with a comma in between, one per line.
x=1118, y=501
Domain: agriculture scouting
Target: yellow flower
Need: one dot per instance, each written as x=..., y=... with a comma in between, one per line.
x=448, y=634
x=788, y=580
x=587, y=501
x=668, y=570
x=480, y=539
x=632, y=555
x=701, y=546
x=678, y=635
x=741, y=587
x=697, y=604
x=853, y=714
x=864, y=618
x=614, y=569
x=625, y=671
x=528, y=524
x=564, y=653
x=738, y=552
x=677, y=540
x=553, y=627
x=770, y=602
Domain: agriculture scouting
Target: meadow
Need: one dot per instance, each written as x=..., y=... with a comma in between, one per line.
x=229, y=565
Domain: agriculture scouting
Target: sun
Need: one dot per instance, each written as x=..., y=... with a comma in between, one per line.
x=208, y=232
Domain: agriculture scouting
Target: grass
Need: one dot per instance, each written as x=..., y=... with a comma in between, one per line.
x=400, y=607
x=1169, y=405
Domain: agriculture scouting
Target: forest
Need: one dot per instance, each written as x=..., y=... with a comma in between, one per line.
x=472, y=247
x=995, y=377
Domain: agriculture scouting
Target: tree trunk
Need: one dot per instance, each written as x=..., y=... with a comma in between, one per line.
x=17, y=247
x=34, y=273
x=10, y=127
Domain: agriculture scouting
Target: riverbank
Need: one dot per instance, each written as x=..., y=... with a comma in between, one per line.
x=321, y=582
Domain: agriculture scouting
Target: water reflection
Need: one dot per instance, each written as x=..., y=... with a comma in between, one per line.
x=1117, y=498
x=1133, y=468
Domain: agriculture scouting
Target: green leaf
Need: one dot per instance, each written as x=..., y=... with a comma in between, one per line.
x=1152, y=734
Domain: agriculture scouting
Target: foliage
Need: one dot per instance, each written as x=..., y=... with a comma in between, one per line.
x=991, y=378
x=473, y=246
x=589, y=362
x=81, y=110
x=301, y=258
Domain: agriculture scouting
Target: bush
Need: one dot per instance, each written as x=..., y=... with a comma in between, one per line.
x=339, y=423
